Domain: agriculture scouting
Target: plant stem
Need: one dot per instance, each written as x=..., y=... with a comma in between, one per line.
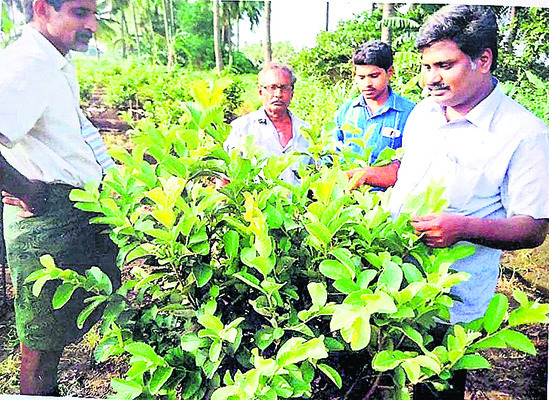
x=374, y=387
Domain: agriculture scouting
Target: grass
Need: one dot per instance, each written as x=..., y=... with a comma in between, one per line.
x=9, y=374
x=527, y=264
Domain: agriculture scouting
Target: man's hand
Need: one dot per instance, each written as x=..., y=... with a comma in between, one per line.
x=14, y=201
x=517, y=232
x=363, y=176
x=31, y=202
x=221, y=183
x=440, y=229
x=375, y=176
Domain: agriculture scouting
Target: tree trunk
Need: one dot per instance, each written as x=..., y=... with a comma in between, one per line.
x=327, y=15
x=137, y=38
x=123, y=27
x=168, y=33
x=217, y=37
x=268, y=52
x=238, y=28
x=386, y=31
x=513, y=23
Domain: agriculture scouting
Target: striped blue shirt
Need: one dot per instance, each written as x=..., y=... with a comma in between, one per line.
x=388, y=124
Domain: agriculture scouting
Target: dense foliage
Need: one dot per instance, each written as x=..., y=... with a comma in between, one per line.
x=143, y=90
x=330, y=59
x=263, y=290
x=258, y=289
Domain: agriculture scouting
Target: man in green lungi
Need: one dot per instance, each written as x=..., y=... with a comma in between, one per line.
x=46, y=138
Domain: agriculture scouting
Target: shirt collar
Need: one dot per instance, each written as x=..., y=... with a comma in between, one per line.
x=263, y=119
x=391, y=102
x=58, y=60
x=263, y=116
x=482, y=114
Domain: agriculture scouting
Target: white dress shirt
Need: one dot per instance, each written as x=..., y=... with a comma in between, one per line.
x=494, y=163
x=259, y=127
x=39, y=121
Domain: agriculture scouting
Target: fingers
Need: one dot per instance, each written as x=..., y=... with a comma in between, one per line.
x=25, y=214
x=424, y=218
x=357, y=172
x=434, y=242
x=352, y=172
x=14, y=201
x=221, y=183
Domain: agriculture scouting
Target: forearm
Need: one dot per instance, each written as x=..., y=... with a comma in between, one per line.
x=380, y=176
x=30, y=192
x=11, y=180
x=518, y=232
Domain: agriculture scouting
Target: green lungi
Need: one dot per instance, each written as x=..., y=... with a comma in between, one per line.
x=65, y=233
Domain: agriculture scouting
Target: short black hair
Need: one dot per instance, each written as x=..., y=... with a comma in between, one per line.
x=27, y=7
x=375, y=53
x=472, y=28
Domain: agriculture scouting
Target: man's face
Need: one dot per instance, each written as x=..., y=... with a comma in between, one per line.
x=451, y=77
x=373, y=81
x=276, y=90
x=72, y=27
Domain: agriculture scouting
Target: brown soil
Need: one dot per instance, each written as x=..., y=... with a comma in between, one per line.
x=104, y=118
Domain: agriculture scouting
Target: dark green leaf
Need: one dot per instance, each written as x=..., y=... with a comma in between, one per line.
x=471, y=361
x=159, y=378
x=63, y=294
x=202, y=273
x=231, y=241
x=331, y=373
x=494, y=314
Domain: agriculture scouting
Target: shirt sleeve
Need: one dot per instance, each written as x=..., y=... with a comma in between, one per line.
x=236, y=138
x=23, y=99
x=524, y=190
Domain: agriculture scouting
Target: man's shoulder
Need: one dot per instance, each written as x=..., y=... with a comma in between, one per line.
x=24, y=53
x=249, y=118
x=403, y=103
x=425, y=106
x=348, y=106
x=354, y=102
x=514, y=113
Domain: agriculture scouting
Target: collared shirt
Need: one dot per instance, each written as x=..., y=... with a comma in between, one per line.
x=494, y=163
x=388, y=124
x=39, y=114
x=258, y=126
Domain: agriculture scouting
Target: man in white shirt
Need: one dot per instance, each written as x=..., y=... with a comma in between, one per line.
x=491, y=154
x=47, y=139
x=272, y=128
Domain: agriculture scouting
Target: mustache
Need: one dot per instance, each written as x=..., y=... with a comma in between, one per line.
x=438, y=86
x=84, y=35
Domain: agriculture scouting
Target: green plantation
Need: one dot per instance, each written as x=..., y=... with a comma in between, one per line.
x=260, y=289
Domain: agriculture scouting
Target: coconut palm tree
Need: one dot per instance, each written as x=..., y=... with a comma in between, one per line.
x=268, y=51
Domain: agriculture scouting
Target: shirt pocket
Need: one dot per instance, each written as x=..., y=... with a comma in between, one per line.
x=468, y=181
x=378, y=143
